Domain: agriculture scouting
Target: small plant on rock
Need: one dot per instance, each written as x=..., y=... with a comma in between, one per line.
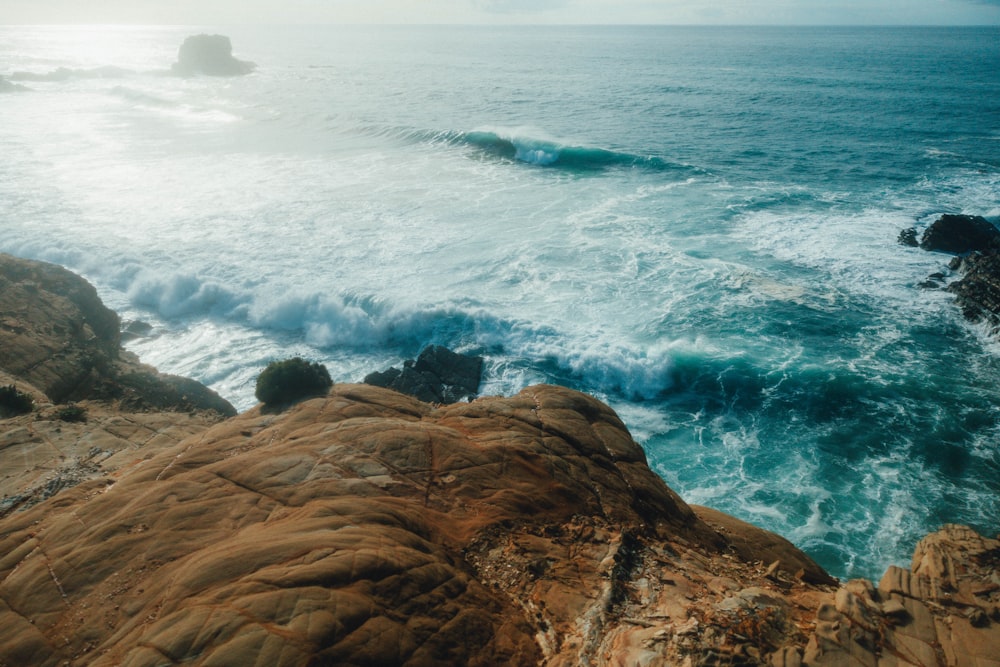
x=14, y=402
x=284, y=382
x=72, y=413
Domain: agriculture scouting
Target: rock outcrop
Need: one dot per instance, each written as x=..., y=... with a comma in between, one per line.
x=438, y=375
x=211, y=55
x=56, y=335
x=65, y=74
x=366, y=527
x=960, y=234
x=60, y=345
x=976, y=242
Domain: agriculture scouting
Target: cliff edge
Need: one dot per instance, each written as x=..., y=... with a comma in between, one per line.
x=366, y=527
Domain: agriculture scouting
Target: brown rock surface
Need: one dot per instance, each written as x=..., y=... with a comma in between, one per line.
x=368, y=528
x=56, y=335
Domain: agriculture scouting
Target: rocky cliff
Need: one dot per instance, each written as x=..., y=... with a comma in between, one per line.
x=366, y=527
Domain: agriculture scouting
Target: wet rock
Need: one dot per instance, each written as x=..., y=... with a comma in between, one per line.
x=959, y=234
x=438, y=375
x=908, y=237
x=977, y=241
x=977, y=292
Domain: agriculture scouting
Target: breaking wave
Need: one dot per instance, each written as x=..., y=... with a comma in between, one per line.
x=532, y=148
x=65, y=74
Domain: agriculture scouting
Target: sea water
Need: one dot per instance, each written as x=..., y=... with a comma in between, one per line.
x=696, y=225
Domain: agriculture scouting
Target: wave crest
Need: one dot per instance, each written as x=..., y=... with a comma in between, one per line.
x=532, y=148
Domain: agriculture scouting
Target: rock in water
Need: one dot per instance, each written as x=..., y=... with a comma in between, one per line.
x=438, y=375
x=211, y=55
x=978, y=291
x=960, y=234
x=977, y=241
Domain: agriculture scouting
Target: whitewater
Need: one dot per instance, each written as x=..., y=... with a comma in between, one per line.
x=696, y=225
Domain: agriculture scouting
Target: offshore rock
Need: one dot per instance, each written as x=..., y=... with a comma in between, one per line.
x=56, y=335
x=10, y=87
x=438, y=375
x=64, y=74
x=211, y=55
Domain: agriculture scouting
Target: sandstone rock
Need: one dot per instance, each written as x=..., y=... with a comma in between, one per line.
x=211, y=55
x=960, y=234
x=367, y=527
x=56, y=335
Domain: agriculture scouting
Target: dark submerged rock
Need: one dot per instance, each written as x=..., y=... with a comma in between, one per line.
x=959, y=234
x=438, y=375
x=908, y=237
x=211, y=55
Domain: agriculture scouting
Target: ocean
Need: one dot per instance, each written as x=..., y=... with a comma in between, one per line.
x=697, y=225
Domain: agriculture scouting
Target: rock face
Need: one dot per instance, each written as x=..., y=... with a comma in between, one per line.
x=437, y=376
x=60, y=345
x=943, y=611
x=56, y=335
x=211, y=55
x=366, y=527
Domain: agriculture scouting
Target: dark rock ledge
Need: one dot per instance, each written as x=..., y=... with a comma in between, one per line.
x=975, y=242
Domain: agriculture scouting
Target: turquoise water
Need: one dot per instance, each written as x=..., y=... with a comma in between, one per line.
x=697, y=225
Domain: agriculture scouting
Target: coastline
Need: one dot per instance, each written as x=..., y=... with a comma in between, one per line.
x=526, y=529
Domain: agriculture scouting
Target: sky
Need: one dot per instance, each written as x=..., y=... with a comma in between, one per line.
x=725, y=12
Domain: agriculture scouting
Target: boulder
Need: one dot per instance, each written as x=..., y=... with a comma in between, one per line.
x=211, y=55
x=438, y=375
x=959, y=234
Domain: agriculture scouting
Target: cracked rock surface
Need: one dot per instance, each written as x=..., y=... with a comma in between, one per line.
x=366, y=527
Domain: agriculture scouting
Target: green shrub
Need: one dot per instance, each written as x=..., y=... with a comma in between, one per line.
x=284, y=382
x=72, y=413
x=14, y=402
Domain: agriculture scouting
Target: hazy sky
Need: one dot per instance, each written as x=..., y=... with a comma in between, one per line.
x=864, y=12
